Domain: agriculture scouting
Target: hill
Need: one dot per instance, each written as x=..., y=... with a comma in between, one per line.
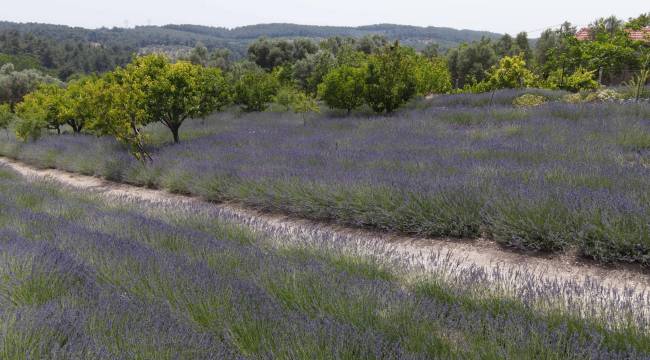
x=237, y=39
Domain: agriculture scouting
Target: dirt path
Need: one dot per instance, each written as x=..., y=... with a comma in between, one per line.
x=443, y=256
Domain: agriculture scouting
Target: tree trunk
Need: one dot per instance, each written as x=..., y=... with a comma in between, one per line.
x=174, y=130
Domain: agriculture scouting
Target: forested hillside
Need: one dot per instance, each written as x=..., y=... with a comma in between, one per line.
x=65, y=50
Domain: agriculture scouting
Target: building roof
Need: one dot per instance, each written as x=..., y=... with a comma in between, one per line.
x=640, y=35
x=584, y=34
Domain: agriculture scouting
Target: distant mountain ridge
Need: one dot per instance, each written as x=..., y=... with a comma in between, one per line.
x=237, y=39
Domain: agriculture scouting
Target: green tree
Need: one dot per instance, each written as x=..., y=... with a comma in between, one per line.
x=523, y=47
x=285, y=97
x=14, y=85
x=200, y=55
x=6, y=116
x=303, y=104
x=343, y=87
x=77, y=104
x=120, y=109
x=511, y=73
x=40, y=109
x=390, y=78
x=254, y=89
x=432, y=75
x=183, y=90
x=469, y=63
x=309, y=72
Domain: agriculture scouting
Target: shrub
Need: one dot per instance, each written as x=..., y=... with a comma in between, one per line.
x=573, y=98
x=604, y=95
x=580, y=80
x=529, y=100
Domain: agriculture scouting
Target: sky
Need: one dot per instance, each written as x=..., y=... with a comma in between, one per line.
x=500, y=16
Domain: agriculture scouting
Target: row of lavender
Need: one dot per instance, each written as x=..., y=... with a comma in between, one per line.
x=85, y=279
x=555, y=178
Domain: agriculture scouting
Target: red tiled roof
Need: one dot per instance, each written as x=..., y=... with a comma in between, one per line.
x=584, y=34
x=640, y=35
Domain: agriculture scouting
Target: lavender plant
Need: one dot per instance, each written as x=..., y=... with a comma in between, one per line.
x=558, y=177
x=86, y=279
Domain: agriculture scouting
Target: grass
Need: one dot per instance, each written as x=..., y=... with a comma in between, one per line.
x=83, y=278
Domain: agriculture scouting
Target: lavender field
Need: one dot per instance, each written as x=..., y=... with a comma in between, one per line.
x=556, y=178
x=83, y=278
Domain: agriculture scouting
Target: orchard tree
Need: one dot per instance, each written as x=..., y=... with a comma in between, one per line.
x=343, y=87
x=78, y=103
x=183, y=90
x=390, y=78
x=40, y=110
x=303, y=104
x=120, y=110
x=122, y=104
x=254, y=89
x=432, y=75
x=152, y=89
x=511, y=73
x=285, y=97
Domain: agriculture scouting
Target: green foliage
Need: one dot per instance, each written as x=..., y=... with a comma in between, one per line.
x=6, y=116
x=511, y=73
x=310, y=71
x=38, y=110
x=183, y=90
x=580, y=80
x=254, y=89
x=529, y=100
x=269, y=54
x=122, y=103
x=343, y=87
x=390, y=79
x=432, y=75
x=636, y=85
x=469, y=63
x=573, y=98
x=20, y=62
x=285, y=97
x=77, y=105
x=303, y=104
x=14, y=85
x=60, y=51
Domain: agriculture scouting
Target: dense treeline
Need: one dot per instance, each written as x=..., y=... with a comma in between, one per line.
x=237, y=40
x=60, y=58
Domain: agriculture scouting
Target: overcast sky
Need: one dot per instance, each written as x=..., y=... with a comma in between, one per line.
x=494, y=15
